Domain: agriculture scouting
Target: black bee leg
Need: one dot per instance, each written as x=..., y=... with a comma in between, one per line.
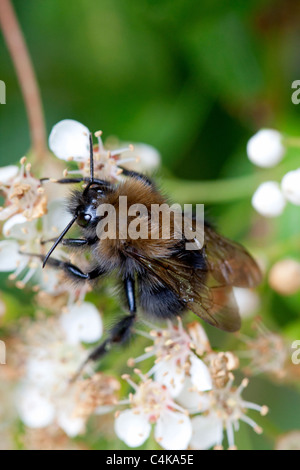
x=129, y=285
x=74, y=271
x=136, y=175
x=120, y=332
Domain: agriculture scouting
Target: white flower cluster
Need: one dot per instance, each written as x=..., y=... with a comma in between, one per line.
x=266, y=149
x=29, y=218
x=191, y=401
x=53, y=356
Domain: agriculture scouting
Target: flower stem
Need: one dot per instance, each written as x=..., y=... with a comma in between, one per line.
x=20, y=56
x=226, y=190
x=292, y=142
x=219, y=191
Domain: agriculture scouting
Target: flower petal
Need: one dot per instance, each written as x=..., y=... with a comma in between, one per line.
x=20, y=228
x=200, y=375
x=56, y=219
x=131, y=428
x=8, y=212
x=167, y=373
x=145, y=158
x=8, y=173
x=9, y=256
x=82, y=323
x=199, y=338
x=73, y=426
x=207, y=432
x=173, y=430
x=34, y=409
x=70, y=138
x=192, y=400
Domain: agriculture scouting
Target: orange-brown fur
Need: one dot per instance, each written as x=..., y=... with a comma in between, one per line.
x=137, y=192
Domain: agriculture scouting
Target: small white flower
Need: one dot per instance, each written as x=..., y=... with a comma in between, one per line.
x=70, y=138
x=267, y=353
x=291, y=186
x=82, y=323
x=266, y=149
x=247, y=301
x=23, y=193
x=268, y=199
x=224, y=409
x=46, y=395
x=175, y=351
x=152, y=404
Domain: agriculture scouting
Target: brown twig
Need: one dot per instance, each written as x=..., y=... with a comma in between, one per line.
x=20, y=56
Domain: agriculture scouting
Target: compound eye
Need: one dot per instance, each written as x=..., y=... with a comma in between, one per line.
x=83, y=219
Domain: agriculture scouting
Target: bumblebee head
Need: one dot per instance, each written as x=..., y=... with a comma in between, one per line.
x=83, y=203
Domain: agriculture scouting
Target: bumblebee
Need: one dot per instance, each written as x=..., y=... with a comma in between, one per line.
x=159, y=276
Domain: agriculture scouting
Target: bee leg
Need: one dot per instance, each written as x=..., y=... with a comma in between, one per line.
x=120, y=332
x=136, y=175
x=74, y=271
x=71, y=269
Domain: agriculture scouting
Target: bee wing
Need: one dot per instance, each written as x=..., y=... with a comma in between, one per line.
x=200, y=292
x=229, y=263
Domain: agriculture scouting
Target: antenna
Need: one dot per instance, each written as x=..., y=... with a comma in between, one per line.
x=91, y=159
x=58, y=240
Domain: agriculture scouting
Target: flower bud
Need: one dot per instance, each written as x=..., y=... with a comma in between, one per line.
x=291, y=186
x=268, y=199
x=284, y=277
x=265, y=149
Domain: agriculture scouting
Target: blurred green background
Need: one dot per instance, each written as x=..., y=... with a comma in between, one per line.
x=193, y=78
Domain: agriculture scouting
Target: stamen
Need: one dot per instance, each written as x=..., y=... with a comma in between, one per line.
x=98, y=135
